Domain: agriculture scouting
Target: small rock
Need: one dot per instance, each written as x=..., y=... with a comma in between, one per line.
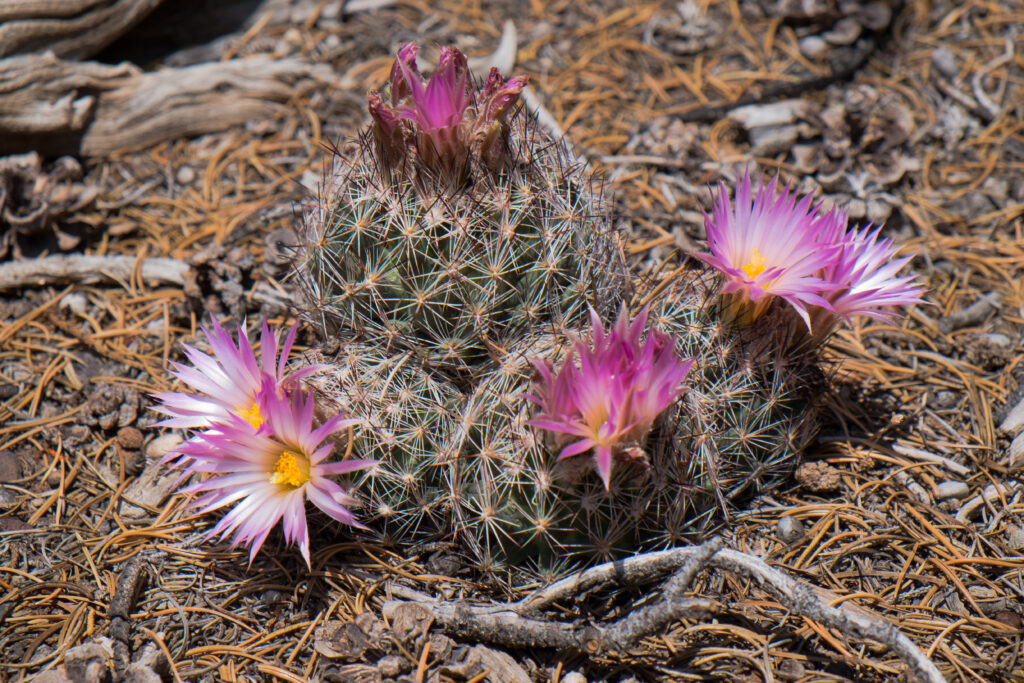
x=879, y=210
x=857, y=208
x=944, y=60
x=161, y=445
x=998, y=339
x=818, y=477
x=952, y=489
x=790, y=530
x=574, y=677
x=185, y=175
x=945, y=399
x=10, y=467
x=813, y=47
x=76, y=302
x=846, y=31
x=130, y=438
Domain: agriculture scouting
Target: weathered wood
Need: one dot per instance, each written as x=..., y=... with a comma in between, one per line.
x=41, y=94
x=73, y=29
x=60, y=107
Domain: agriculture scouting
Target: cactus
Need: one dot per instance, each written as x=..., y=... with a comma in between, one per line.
x=405, y=415
x=737, y=431
x=463, y=248
x=452, y=229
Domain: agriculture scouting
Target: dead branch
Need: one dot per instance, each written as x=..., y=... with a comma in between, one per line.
x=75, y=29
x=77, y=268
x=62, y=270
x=62, y=107
x=509, y=624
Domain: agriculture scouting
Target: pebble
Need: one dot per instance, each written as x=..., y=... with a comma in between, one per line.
x=574, y=677
x=944, y=60
x=76, y=302
x=879, y=210
x=159, y=446
x=846, y=31
x=945, y=399
x=813, y=47
x=185, y=175
x=130, y=438
x=790, y=530
x=998, y=339
x=952, y=489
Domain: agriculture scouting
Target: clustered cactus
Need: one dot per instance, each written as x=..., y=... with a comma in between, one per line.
x=467, y=271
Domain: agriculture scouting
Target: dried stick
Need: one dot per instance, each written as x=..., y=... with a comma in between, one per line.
x=510, y=625
x=59, y=270
x=62, y=270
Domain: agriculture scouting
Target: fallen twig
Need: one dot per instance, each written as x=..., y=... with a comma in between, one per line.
x=62, y=270
x=78, y=268
x=511, y=625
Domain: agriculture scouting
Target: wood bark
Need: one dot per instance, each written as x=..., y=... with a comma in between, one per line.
x=63, y=107
x=72, y=29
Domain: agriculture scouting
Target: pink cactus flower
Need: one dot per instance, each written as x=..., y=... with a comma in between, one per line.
x=438, y=107
x=770, y=246
x=230, y=381
x=864, y=278
x=445, y=119
x=608, y=403
x=267, y=475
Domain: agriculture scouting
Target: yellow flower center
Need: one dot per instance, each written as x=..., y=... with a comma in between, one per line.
x=290, y=469
x=755, y=266
x=250, y=415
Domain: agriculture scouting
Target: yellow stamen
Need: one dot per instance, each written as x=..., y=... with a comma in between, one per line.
x=290, y=469
x=250, y=415
x=755, y=266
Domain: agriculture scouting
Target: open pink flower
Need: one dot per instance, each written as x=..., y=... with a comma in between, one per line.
x=864, y=277
x=229, y=381
x=267, y=475
x=609, y=402
x=771, y=245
